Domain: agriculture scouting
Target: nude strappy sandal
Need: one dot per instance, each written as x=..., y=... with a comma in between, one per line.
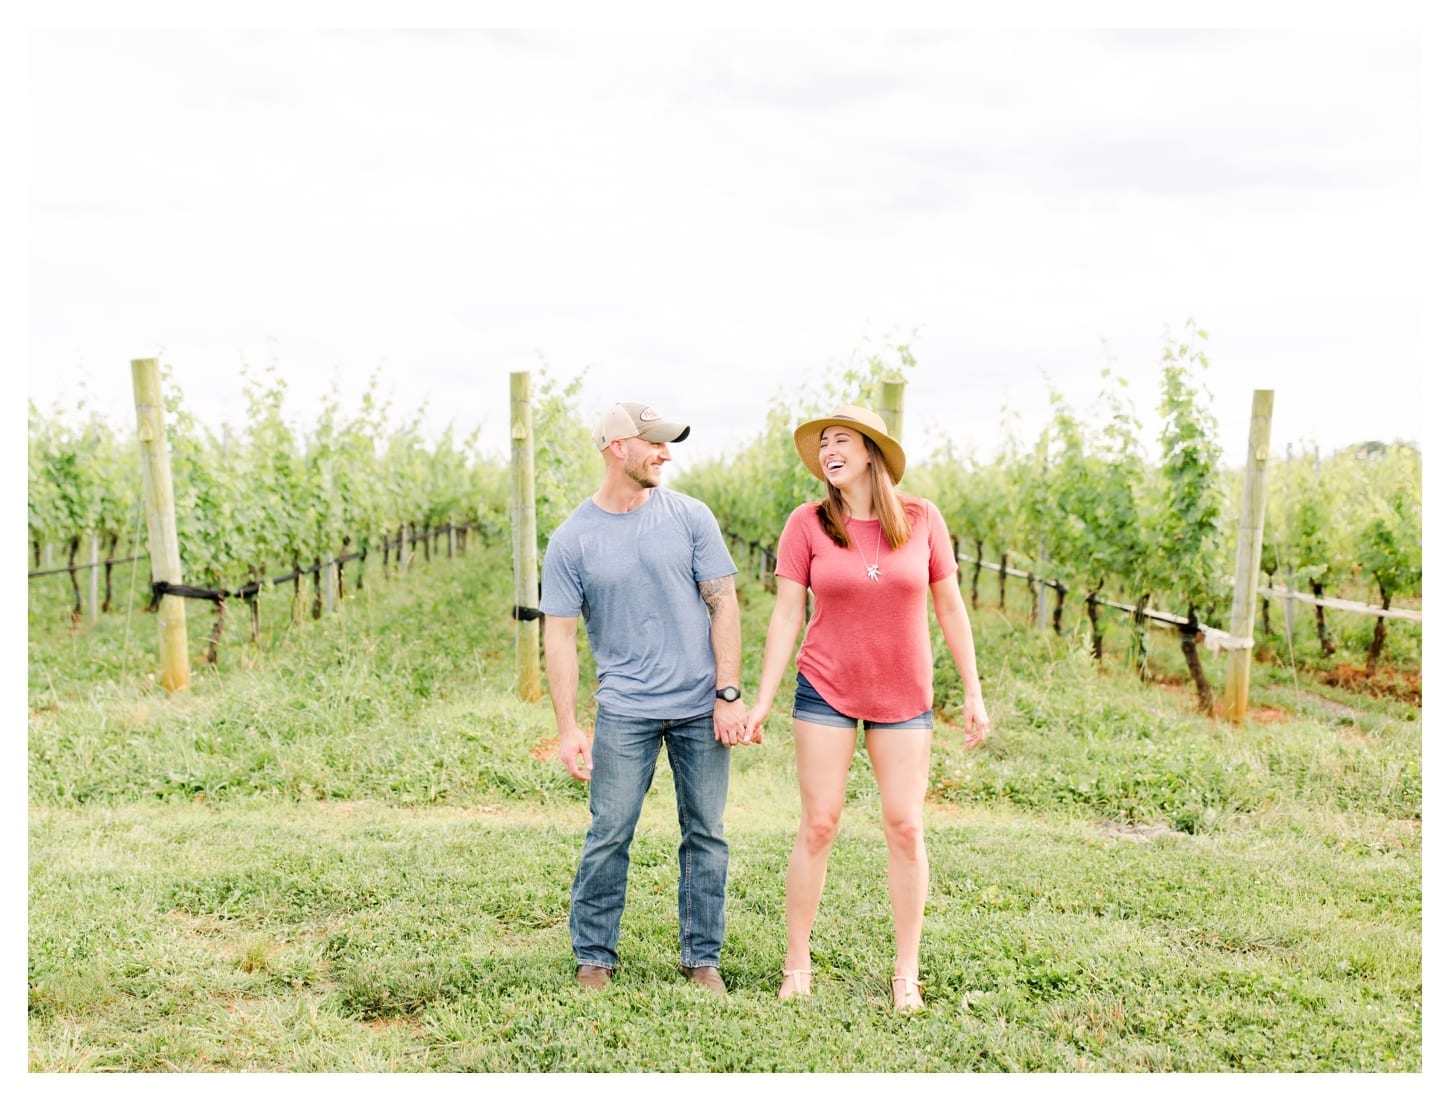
x=910, y=999
x=797, y=983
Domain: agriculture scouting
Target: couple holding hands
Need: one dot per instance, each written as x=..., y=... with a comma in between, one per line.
x=648, y=571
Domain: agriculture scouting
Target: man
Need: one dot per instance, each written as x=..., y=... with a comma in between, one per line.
x=649, y=571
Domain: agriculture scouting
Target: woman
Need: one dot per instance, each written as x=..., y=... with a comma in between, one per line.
x=869, y=556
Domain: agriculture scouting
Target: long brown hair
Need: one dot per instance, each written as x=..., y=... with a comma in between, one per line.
x=894, y=511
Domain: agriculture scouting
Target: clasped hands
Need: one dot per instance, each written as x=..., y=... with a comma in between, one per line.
x=734, y=725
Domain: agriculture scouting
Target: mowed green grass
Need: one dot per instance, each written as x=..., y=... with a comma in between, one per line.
x=349, y=848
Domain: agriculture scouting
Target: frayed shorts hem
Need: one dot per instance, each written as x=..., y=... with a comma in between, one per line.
x=810, y=707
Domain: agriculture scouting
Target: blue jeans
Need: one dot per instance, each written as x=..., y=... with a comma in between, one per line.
x=625, y=752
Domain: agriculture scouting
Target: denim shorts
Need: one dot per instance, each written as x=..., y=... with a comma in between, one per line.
x=810, y=708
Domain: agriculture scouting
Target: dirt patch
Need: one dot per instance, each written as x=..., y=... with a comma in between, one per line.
x=1270, y=715
x=1402, y=685
x=383, y=1025
x=1385, y=684
x=1140, y=833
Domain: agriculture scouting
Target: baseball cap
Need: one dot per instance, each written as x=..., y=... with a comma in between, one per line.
x=629, y=419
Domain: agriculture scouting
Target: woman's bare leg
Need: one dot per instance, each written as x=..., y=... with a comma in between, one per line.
x=902, y=760
x=823, y=761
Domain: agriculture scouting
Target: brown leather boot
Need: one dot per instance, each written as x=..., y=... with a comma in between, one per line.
x=708, y=977
x=591, y=977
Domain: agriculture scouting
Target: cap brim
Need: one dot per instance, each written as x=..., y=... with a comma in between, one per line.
x=665, y=432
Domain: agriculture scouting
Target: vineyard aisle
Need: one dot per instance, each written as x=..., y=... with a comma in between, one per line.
x=348, y=847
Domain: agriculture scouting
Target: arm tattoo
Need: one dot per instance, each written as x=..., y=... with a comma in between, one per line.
x=715, y=591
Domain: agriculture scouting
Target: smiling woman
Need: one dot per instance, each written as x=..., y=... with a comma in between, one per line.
x=863, y=611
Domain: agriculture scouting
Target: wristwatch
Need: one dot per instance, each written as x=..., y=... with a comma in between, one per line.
x=729, y=693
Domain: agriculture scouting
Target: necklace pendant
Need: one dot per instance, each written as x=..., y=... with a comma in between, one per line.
x=872, y=570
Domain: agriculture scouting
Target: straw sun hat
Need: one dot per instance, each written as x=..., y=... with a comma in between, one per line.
x=864, y=421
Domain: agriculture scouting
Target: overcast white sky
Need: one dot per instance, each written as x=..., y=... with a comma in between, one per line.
x=695, y=218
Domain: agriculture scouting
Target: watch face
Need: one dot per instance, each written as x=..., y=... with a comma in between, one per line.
x=729, y=695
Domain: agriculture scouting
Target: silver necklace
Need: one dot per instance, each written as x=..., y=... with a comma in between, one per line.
x=873, y=569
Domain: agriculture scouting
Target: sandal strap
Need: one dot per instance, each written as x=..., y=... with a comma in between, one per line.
x=911, y=996
x=797, y=982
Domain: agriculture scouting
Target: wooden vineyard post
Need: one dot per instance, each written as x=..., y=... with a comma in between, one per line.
x=1246, y=570
x=94, y=606
x=889, y=394
x=161, y=521
x=1042, y=564
x=526, y=543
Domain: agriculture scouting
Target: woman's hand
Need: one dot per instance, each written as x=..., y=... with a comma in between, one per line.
x=974, y=717
x=755, y=721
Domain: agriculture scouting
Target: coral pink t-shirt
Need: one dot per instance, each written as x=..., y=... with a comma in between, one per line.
x=867, y=647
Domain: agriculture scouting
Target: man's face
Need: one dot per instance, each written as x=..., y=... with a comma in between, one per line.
x=644, y=461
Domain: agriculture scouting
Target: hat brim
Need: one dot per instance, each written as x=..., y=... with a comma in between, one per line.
x=808, y=445
x=665, y=432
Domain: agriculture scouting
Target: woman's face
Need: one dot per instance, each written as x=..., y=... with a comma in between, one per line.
x=843, y=455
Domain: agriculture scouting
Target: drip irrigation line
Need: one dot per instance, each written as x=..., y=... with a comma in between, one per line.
x=1058, y=586
x=250, y=590
x=86, y=566
x=1216, y=638
x=1178, y=621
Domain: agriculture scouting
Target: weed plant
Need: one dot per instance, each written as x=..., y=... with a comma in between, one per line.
x=348, y=847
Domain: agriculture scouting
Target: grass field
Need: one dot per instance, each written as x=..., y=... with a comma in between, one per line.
x=349, y=848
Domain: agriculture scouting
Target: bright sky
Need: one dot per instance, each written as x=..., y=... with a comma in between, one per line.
x=698, y=218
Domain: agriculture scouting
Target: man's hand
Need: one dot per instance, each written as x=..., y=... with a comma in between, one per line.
x=574, y=748
x=732, y=725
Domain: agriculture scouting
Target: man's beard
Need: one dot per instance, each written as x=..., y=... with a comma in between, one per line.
x=643, y=474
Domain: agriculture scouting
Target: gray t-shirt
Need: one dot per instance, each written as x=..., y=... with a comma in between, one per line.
x=634, y=577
